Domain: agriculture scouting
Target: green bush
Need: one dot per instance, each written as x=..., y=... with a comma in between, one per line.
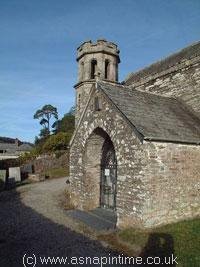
x=55, y=142
x=28, y=156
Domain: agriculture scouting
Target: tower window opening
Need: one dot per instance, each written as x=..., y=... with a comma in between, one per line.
x=93, y=68
x=116, y=73
x=82, y=70
x=79, y=101
x=107, y=66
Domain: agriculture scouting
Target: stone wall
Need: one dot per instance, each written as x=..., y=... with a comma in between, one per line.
x=181, y=81
x=130, y=160
x=44, y=163
x=157, y=183
x=82, y=94
x=172, y=179
x=6, y=163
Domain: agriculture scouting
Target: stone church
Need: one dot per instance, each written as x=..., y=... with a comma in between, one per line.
x=135, y=150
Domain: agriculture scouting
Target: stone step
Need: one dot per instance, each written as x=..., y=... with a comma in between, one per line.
x=98, y=219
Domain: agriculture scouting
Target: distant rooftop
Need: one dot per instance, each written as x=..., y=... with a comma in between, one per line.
x=13, y=146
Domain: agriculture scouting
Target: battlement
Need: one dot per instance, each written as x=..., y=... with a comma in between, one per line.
x=101, y=46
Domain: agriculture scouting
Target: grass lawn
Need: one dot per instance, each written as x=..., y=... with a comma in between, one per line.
x=56, y=173
x=181, y=239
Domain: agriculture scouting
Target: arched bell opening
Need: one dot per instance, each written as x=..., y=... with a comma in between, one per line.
x=93, y=71
x=107, y=69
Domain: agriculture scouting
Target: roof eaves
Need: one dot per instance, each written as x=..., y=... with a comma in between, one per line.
x=186, y=142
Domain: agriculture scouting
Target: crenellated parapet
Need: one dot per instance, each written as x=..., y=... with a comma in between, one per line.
x=100, y=46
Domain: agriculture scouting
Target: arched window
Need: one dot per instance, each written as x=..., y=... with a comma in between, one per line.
x=116, y=73
x=79, y=101
x=82, y=71
x=107, y=68
x=93, y=68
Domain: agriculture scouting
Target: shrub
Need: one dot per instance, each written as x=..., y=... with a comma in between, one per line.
x=28, y=156
x=55, y=142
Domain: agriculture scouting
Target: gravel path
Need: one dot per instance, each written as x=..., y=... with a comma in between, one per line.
x=32, y=221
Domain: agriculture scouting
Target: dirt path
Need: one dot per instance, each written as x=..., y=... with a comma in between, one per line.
x=32, y=221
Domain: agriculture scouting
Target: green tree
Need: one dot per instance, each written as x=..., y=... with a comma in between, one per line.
x=66, y=124
x=44, y=133
x=45, y=114
x=72, y=110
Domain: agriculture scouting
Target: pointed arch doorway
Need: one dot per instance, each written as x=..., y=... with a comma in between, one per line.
x=108, y=183
x=100, y=172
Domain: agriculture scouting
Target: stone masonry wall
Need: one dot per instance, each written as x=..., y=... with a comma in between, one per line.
x=131, y=192
x=157, y=183
x=181, y=81
x=82, y=93
x=173, y=183
x=47, y=162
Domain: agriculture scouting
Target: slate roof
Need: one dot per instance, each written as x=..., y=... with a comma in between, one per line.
x=185, y=54
x=155, y=117
x=5, y=146
x=24, y=147
x=14, y=147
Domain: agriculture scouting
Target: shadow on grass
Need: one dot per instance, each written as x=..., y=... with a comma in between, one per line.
x=160, y=246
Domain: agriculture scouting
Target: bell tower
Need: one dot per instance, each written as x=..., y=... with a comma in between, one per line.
x=100, y=58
